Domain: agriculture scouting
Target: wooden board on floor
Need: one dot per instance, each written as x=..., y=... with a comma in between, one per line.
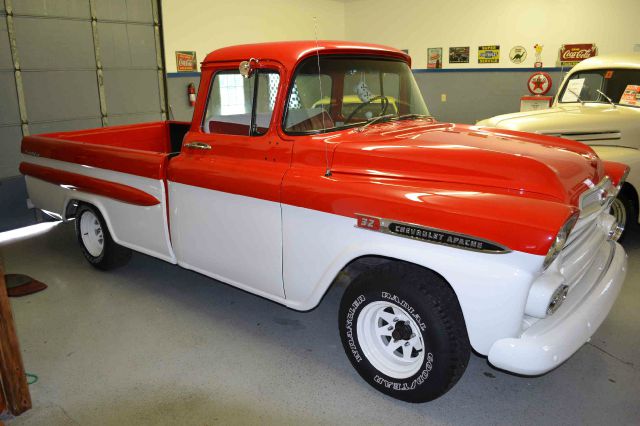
x=12, y=375
x=4, y=410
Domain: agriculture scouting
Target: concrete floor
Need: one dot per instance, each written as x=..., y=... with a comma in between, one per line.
x=154, y=344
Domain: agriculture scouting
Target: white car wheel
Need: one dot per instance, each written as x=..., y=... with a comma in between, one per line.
x=91, y=233
x=390, y=339
x=403, y=331
x=96, y=242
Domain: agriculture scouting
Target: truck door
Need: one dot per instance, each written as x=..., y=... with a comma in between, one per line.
x=224, y=187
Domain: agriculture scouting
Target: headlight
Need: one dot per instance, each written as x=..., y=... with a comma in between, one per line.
x=559, y=241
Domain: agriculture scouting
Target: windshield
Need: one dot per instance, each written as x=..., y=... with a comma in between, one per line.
x=348, y=92
x=622, y=86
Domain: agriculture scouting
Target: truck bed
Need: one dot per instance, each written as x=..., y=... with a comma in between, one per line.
x=138, y=149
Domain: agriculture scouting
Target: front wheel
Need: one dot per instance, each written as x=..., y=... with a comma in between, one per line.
x=623, y=209
x=96, y=242
x=403, y=330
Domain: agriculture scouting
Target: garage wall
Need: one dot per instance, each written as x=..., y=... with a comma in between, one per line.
x=476, y=91
x=74, y=64
x=420, y=24
x=475, y=95
x=206, y=25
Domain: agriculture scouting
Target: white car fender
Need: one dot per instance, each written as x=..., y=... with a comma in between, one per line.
x=492, y=289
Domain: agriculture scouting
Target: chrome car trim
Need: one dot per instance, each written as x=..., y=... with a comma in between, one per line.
x=431, y=235
x=595, y=198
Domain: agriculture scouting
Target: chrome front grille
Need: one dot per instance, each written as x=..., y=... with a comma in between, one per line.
x=597, y=197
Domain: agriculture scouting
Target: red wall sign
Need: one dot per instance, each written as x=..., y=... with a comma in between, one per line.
x=571, y=54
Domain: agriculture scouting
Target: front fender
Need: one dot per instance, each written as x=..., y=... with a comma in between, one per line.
x=492, y=288
x=624, y=155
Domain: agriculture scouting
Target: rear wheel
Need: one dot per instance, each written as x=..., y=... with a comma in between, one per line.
x=403, y=331
x=96, y=242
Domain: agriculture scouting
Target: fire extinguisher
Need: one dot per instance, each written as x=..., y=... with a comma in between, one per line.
x=191, y=93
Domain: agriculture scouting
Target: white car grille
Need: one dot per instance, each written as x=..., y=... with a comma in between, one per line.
x=586, y=245
x=589, y=231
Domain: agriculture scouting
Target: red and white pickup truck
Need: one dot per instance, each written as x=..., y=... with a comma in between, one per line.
x=454, y=237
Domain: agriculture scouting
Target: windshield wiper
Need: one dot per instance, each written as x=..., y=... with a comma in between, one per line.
x=374, y=120
x=606, y=97
x=576, y=95
x=395, y=117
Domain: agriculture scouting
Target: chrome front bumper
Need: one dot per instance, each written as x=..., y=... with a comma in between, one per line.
x=551, y=341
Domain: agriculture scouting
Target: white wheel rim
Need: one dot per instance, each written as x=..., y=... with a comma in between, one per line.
x=398, y=358
x=619, y=212
x=91, y=233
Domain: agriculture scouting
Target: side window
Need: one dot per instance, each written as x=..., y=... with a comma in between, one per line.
x=233, y=100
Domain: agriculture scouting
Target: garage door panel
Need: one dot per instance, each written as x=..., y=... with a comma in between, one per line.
x=54, y=43
x=66, y=8
x=60, y=95
x=131, y=91
x=5, y=52
x=116, y=120
x=10, y=138
x=63, y=126
x=125, y=10
x=126, y=45
x=9, y=104
x=142, y=43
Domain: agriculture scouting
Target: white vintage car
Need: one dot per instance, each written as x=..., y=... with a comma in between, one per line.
x=598, y=104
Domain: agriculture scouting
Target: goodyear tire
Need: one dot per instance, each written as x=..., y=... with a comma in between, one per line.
x=403, y=331
x=96, y=242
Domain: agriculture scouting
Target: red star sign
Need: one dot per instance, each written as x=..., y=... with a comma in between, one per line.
x=539, y=83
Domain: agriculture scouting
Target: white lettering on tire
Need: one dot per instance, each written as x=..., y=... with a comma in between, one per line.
x=402, y=303
x=405, y=386
x=349, y=326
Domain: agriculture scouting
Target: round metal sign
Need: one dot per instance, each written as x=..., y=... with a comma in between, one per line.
x=518, y=54
x=539, y=83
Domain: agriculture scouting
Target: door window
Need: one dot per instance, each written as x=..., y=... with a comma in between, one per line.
x=241, y=106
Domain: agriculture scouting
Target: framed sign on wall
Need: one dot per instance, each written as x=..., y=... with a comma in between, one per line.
x=434, y=57
x=459, y=55
x=186, y=61
x=489, y=54
x=571, y=54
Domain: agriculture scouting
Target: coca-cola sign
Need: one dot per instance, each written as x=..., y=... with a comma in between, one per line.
x=571, y=54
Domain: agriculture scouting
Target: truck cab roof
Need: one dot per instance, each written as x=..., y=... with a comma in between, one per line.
x=289, y=53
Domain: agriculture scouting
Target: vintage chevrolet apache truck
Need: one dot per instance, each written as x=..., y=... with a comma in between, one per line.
x=454, y=237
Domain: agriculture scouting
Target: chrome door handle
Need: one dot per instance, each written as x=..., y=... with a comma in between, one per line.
x=198, y=145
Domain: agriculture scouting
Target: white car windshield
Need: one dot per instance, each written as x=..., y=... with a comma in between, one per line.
x=338, y=93
x=620, y=86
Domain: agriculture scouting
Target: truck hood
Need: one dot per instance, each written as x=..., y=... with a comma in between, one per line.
x=591, y=123
x=524, y=163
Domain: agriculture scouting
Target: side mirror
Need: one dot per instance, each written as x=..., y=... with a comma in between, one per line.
x=247, y=68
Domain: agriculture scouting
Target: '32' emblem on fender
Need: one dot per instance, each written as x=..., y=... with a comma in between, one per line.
x=368, y=222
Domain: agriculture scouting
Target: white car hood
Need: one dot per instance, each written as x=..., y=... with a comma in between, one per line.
x=592, y=123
